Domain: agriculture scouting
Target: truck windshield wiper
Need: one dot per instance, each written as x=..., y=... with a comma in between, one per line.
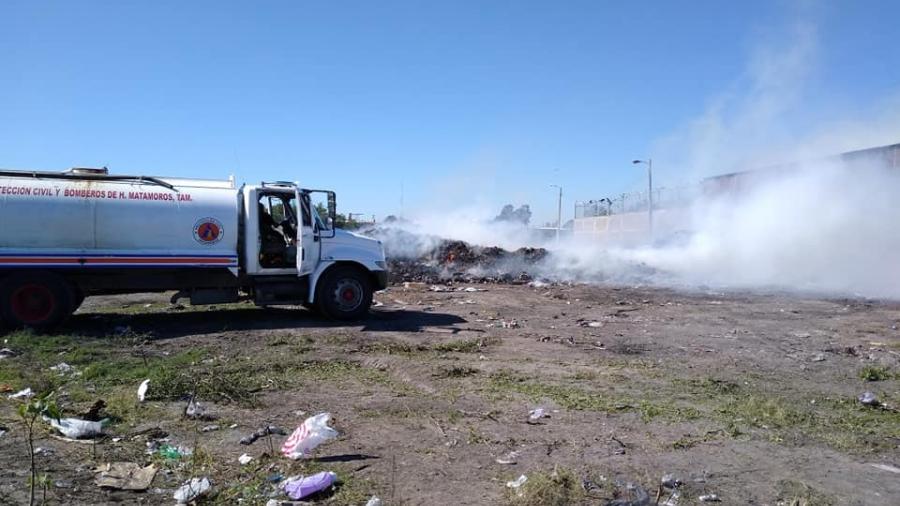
x=94, y=177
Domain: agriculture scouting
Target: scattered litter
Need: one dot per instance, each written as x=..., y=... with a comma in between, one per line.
x=709, y=498
x=142, y=390
x=509, y=459
x=209, y=428
x=438, y=288
x=22, y=394
x=374, y=501
x=818, y=357
x=124, y=476
x=670, y=481
x=886, y=467
x=307, y=437
x=536, y=414
x=63, y=484
x=868, y=399
x=639, y=497
x=5, y=388
x=195, y=410
x=515, y=485
x=170, y=452
x=40, y=450
x=511, y=324
x=6, y=353
x=264, y=431
x=473, y=289
x=191, y=490
x=244, y=459
x=75, y=428
x=672, y=500
x=300, y=487
x=3, y=431
x=274, y=478
x=63, y=368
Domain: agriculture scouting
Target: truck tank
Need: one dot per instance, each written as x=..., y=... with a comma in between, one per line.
x=93, y=220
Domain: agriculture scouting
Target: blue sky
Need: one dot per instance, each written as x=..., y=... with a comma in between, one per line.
x=457, y=102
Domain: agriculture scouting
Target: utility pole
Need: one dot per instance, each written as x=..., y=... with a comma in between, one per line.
x=558, y=211
x=649, y=163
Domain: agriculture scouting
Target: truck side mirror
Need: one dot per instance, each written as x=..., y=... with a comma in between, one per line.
x=332, y=206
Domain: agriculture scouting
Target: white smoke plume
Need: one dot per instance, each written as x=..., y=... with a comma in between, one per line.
x=819, y=224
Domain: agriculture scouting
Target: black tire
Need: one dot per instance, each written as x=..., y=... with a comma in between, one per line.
x=344, y=293
x=37, y=300
x=77, y=295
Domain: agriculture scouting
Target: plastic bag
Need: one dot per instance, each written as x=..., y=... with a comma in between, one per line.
x=75, y=428
x=304, y=486
x=307, y=437
x=192, y=490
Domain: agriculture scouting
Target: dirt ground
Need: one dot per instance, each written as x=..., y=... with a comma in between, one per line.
x=751, y=397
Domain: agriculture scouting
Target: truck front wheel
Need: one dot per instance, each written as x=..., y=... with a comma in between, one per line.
x=344, y=293
x=39, y=301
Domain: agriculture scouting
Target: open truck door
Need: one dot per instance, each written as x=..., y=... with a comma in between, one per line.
x=308, y=241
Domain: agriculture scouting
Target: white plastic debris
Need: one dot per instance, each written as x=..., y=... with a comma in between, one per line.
x=307, y=437
x=536, y=414
x=195, y=410
x=22, y=394
x=517, y=483
x=244, y=459
x=672, y=500
x=192, y=490
x=374, y=501
x=75, y=428
x=670, y=481
x=886, y=467
x=709, y=498
x=868, y=399
x=6, y=352
x=142, y=390
x=298, y=487
x=63, y=368
x=507, y=460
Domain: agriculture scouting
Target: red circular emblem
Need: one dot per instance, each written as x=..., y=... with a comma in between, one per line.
x=208, y=231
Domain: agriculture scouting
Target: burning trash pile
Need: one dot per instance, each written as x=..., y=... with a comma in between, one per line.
x=458, y=261
x=430, y=259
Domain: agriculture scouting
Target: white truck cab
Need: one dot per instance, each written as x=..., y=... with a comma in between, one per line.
x=84, y=231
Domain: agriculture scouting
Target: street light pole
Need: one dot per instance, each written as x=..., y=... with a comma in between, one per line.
x=649, y=163
x=558, y=211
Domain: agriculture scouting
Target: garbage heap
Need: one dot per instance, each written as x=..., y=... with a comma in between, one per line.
x=458, y=261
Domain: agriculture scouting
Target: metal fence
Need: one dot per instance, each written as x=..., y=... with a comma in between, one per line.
x=636, y=202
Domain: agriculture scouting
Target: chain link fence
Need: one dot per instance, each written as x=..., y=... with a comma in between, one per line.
x=636, y=202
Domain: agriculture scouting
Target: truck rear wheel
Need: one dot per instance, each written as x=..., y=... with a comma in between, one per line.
x=40, y=301
x=344, y=293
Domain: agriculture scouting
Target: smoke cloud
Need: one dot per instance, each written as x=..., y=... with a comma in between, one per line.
x=822, y=225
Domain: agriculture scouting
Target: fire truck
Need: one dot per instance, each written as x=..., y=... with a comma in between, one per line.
x=68, y=235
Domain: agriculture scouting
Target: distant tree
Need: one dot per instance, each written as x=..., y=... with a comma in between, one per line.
x=340, y=220
x=510, y=214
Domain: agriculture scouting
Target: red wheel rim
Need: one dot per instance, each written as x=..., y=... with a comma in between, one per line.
x=32, y=303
